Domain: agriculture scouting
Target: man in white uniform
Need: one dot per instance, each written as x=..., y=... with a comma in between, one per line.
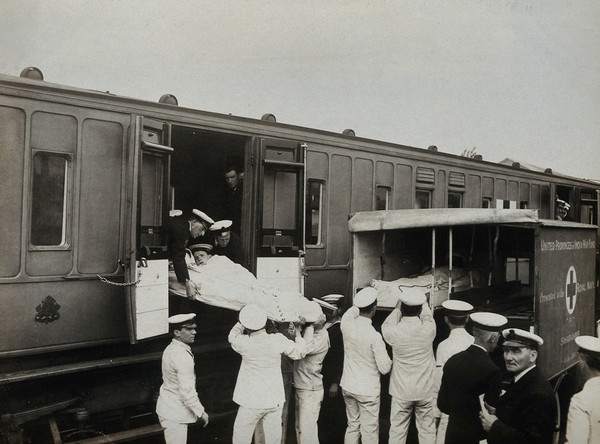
x=259, y=388
x=308, y=380
x=583, y=423
x=365, y=360
x=178, y=404
x=410, y=330
x=456, y=315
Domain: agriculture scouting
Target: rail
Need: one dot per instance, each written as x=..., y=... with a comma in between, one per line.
x=58, y=370
x=139, y=433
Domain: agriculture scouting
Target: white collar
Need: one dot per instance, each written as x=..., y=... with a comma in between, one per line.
x=477, y=345
x=459, y=331
x=523, y=373
x=182, y=344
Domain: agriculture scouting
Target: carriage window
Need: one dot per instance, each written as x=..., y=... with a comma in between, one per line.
x=506, y=204
x=422, y=199
x=314, y=212
x=454, y=200
x=49, y=199
x=486, y=202
x=382, y=198
x=587, y=214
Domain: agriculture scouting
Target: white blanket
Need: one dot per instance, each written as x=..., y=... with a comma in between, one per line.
x=388, y=292
x=225, y=284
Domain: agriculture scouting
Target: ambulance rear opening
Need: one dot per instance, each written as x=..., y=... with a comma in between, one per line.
x=538, y=273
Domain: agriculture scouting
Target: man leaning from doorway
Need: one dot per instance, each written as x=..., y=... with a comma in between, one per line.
x=180, y=231
x=227, y=243
x=233, y=196
x=410, y=330
x=259, y=388
x=365, y=360
x=178, y=404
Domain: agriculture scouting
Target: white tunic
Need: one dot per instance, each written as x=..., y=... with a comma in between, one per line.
x=260, y=384
x=457, y=341
x=583, y=424
x=307, y=371
x=178, y=400
x=413, y=373
x=365, y=356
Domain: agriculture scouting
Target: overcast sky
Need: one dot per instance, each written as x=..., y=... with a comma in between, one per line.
x=512, y=78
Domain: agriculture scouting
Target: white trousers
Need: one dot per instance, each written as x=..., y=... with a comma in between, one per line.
x=308, y=406
x=400, y=414
x=441, y=430
x=246, y=420
x=363, y=418
x=175, y=432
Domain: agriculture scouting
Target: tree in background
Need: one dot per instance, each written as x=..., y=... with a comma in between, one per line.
x=470, y=153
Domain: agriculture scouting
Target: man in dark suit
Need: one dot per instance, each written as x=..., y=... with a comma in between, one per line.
x=526, y=412
x=468, y=375
x=333, y=412
x=180, y=231
x=233, y=197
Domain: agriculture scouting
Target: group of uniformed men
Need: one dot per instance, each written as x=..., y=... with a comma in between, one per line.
x=463, y=381
x=457, y=396
x=259, y=390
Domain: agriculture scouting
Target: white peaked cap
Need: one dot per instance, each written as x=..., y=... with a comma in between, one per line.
x=454, y=307
x=253, y=317
x=183, y=319
x=203, y=216
x=313, y=312
x=365, y=297
x=488, y=321
x=413, y=299
x=221, y=226
x=588, y=344
x=516, y=337
x=200, y=247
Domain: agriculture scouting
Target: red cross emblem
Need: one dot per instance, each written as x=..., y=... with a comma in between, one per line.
x=571, y=290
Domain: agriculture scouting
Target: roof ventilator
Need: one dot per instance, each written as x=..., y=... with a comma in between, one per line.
x=33, y=73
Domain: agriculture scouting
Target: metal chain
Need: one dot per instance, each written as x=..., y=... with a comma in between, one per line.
x=118, y=284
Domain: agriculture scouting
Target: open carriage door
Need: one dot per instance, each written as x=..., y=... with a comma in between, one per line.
x=280, y=261
x=148, y=271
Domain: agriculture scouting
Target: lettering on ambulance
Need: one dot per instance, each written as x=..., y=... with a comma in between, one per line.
x=571, y=290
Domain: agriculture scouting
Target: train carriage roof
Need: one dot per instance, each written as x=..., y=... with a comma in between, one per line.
x=446, y=217
x=169, y=112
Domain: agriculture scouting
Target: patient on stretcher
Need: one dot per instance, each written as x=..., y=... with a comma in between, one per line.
x=388, y=292
x=223, y=283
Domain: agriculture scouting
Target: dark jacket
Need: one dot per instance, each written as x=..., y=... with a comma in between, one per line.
x=232, y=206
x=467, y=375
x=179, y=235
x=526, y=412
x=233, y=250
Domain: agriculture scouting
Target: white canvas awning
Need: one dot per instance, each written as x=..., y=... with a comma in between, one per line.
x=437, y=217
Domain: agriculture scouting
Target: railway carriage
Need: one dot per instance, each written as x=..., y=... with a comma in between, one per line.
x=88, y=181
